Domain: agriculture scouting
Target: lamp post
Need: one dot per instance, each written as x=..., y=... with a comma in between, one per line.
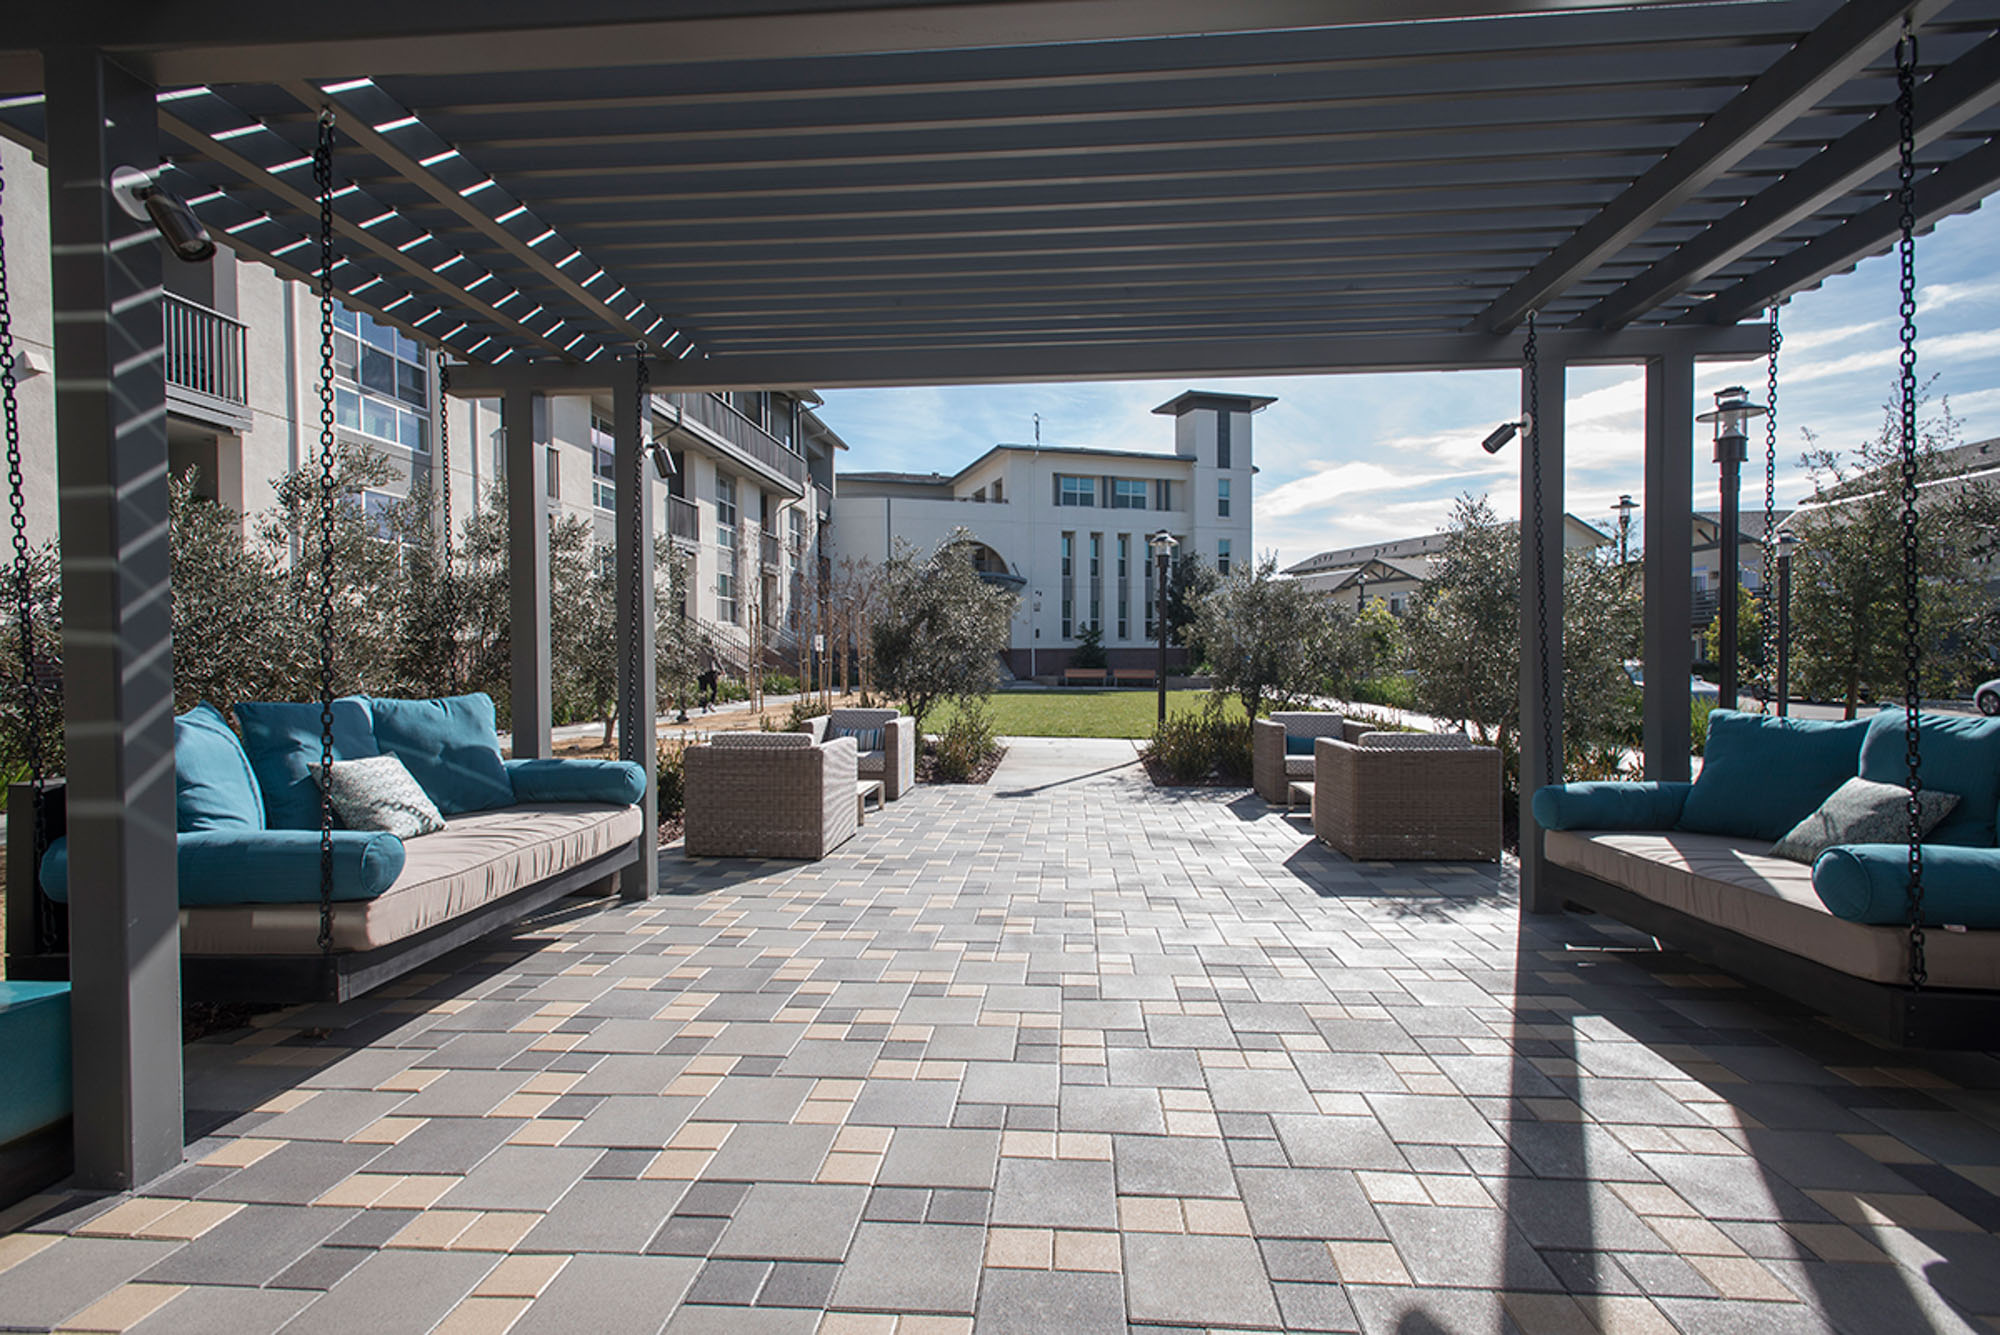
x=1163, y=544
x=1361, y=591
x=1626, y=505
x=1788, y=542
x=1732, y=446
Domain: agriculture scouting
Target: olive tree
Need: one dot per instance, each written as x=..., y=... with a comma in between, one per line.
x=1265, y=638
x=938, y=628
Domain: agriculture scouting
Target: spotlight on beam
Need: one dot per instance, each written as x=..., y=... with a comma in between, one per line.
x=141, y=196
x=1496, y=439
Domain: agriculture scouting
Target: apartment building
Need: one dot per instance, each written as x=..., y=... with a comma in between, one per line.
x=753, y=476
x=1067, y=526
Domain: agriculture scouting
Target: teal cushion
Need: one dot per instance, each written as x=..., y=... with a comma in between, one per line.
x=283, y=739
x=618, y=781
x=1610, y=806
x=34, y=1033
x=1870, y=883
x=1299, y=746
x=865, y=739
x=262, y=866
x=451, y=747
x=1961, y=754
x=214, y=786
x=1761, y=774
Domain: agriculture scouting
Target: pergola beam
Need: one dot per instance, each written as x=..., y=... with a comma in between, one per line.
x=1191, y=359
x=183, y=44
x=1955, y=94
x=1827, y=57
x=1953, y=188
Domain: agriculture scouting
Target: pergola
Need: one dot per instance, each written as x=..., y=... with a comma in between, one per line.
x=824, y=194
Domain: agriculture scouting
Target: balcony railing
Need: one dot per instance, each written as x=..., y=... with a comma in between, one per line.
x=683, y=519
x=742, y=434
x=204, y=355
x=768, y=549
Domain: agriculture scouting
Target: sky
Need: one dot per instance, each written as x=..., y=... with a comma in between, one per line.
x=1345, y=460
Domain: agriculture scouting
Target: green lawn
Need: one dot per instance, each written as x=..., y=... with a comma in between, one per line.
x=1086, y=713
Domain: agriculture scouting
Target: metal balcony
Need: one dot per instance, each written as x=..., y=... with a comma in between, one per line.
x=767, y=547
x=684, y=520
x=742, y=437
x=206, y=377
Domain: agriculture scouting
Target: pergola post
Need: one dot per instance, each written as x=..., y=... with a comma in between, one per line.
x=118, y=684
x=527, y=572
x=1541, y=587
x=1669, y=595
x=638, y=741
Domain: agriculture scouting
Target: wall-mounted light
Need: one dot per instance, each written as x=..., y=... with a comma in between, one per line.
x=663, y=462
x=141, y=196
x=1497, y=438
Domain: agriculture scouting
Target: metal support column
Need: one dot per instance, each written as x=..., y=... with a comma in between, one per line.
x=1541, y=586
x=118, y=684
x=527, y=572
x=637, y=697
x=1669, y=600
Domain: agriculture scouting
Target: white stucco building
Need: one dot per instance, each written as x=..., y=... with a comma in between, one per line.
x=1071, y=524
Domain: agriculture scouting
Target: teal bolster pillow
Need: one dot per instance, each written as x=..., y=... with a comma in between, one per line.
x=865, y=739
x=1870, y=883
x=1961, y=755
x=1610, y=806
x=1299, y=746
x=618, y=781
x=262, y=866
x=1762, y=774
x=214, y=786
x=451, y=747
x=283, y=739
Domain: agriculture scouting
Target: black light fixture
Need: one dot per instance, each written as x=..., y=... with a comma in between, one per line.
x=663, y=462
x=1626, y=505
x=1732, y=446
x=141, y=196
x=1497, y=438
x=1163, y=544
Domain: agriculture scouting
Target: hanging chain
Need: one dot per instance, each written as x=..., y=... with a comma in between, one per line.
x=448, y=588
x=323, y=180
x=24, y=589
x=1906, y=199
x=1767, y=623
x=642, y=710
x=1551, y=773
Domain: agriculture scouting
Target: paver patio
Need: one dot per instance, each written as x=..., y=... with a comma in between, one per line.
x=1063, y=1054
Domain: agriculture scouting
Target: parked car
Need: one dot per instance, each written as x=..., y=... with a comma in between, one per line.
x=1697, y=688
x=1987, y=697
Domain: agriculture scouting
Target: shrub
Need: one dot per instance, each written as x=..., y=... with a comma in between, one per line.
x=1089, y=651
x=672, y=780
x=804, y=708
x=1199, y=747
x=966, y=741
x=1698, y=712
x=780, y=683
x=1392, y=689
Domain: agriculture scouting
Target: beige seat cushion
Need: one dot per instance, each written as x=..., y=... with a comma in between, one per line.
x=1736, y=884
x=1298, y=767
x=477, y=858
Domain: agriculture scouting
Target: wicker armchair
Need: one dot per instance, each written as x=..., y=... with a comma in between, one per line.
x=1271, y=768
x=1389, y=796
x=895, y=764
x=769, y=795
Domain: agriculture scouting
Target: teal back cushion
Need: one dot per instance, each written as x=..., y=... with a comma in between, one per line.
x=282, y=739
x=1761, y=774
x=1299, y=746
x=451, y=747
x=214, y=786
x=1961, y=755
x=865, y=739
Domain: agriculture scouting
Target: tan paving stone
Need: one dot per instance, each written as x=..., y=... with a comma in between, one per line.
x=1088, y=1250
x=291, y=1099
x=1622, y=1315
x=496, y=1231
x=1367, y=1263
x=123, y=1308
x=434, y=1230
x=240, y=1153
x=545, y=1131
x=1393, y=1188
x=1837, y=1243
x=680, y=1165
x=189, y=1221
x=483, y=1316
x=521, y=1276
x=1227, y=1218
x=18, y=1247
x=850, y=1168
x=1547, y=1314
x=1742, y=1277
x=1903, y=1210
x=1020, y=1248
x=1150, y=1214
x=1693, y=1237
x=127, y=1218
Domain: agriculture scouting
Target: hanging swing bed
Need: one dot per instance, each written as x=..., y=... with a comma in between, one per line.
x=284, y=898
x=1850, y=866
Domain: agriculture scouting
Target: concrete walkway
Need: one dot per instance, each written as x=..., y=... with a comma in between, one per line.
x=1045, y=765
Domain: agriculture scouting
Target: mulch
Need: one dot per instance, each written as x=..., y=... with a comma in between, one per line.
x=927, y=767
x=1213, y=779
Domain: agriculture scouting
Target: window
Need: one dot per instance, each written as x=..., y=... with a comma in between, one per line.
x=1163, y=493
x=1399, y=603
x=725, y=539
x=979, y=497
x=798, y=545
x=1068, y=585
x=604, y=464
x=381, y=382
x=997, y=497
x=1128, y=493
x=1075, y=490
x=1222, y=556
x=1222, y=450
x=1222, y=497
x=375, y=508
x=1124, y=586
x=553, y=466
x=1097, y=581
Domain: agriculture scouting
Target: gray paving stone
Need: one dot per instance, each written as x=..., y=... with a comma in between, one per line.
x=394, y=1290
x=610, y=1295
x=935, y=1157
x=295, y=1174
x=1464, y=1248
x=62, y=1280
x=693, y=1320
x=1315, y=1307
x=765, y=1152
x=1338, y=1142
x=251, y=1247
x=633, y=1121
x=1101, y=1108
x=1307, y=1203
x=1192, y=1280
x=1172, y=1166
x=238, y=1311
x=912, y=1268
x=800, y=1284
x=799, y=1222
x=605, y=1216
x=1022, y=1302
x=733, y=1283
x=446, y=1145
x=1055, y=1193
x=520, y=1177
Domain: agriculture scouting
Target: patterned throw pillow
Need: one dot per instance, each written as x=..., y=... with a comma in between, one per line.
x=865, y=739
x=1860, y=812
x=378, y=794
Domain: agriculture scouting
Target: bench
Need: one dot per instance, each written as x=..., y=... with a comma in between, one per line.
x=1133, y=676
x=1086, y=676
